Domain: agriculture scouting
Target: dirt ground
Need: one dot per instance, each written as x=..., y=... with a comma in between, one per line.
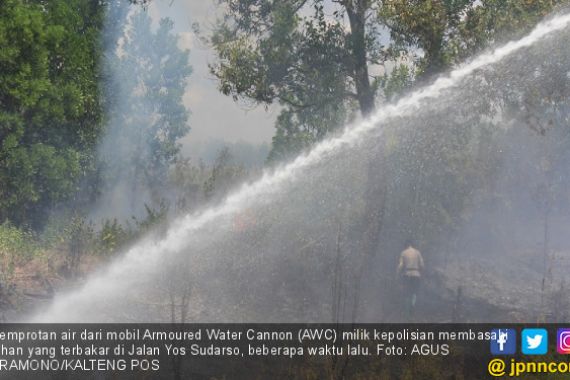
x=36, y=281
x=521, y=287
x=473, y=288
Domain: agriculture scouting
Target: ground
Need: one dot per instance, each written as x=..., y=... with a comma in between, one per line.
x=472, y=288
x=35, y=282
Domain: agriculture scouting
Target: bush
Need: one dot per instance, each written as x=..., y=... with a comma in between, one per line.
x=112, y=236
x=16, y=245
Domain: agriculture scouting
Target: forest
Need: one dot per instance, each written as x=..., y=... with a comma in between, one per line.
x=93, y=119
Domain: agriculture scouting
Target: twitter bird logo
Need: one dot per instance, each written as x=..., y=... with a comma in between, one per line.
x=535, y=341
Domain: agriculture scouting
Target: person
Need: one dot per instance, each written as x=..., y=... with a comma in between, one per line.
x=410, y=269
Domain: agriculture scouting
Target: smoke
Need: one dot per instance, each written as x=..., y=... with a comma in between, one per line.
x=511, y=251
x=247, y=154
x=145, y=77
x=448, y=162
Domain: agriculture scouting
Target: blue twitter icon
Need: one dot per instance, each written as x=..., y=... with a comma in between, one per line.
x=534, y=341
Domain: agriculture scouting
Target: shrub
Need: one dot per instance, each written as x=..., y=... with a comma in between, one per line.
x=16, y=245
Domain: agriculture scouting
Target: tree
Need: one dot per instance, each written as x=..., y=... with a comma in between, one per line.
x=146, y=79
x=497, y=21
x=317, y=58
x=49, y=103
x=423, y=29
x=437, y=34
x=262, y=59
x=313, y=58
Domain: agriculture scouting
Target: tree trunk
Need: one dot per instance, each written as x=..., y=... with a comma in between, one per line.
x=356, y=10
x=375, y=188
x=434, y=57
x=369, y=228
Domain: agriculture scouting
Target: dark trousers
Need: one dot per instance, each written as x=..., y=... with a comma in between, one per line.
x=411, y=285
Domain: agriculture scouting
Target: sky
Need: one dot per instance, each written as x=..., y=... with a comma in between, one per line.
x=214, y=116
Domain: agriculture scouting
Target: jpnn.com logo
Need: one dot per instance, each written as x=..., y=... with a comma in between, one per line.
x=504, y=342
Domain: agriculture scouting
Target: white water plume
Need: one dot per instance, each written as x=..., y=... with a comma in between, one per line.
x=205, y=253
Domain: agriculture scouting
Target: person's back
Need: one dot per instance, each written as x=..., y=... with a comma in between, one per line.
x=410, y=268
x=411, y=262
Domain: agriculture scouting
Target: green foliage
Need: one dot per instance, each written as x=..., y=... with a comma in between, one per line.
x=427, y=25
x=495, y=21
x=399, y=80
x=154, y=218
x=292, y=137
x=316, y=64
x=115, y=236
x=16, y=245
x=80, y=238
x=50, y=115
x=14, y=240
x=112, y=236
x=301, y=57
x=51, y=103
x=437, y=34
x=36, y=176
